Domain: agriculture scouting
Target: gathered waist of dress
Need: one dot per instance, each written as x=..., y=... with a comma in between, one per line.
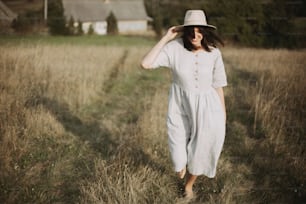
x=194, y=90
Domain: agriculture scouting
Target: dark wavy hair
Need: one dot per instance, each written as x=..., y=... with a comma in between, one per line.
x=210, y=37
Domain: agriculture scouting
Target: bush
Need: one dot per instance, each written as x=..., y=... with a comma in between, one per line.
x=26, y=22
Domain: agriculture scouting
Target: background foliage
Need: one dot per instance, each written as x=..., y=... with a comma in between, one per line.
x=275, y=23
x=264, y=23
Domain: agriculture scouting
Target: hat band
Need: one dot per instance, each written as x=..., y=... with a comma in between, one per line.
x=195, y=23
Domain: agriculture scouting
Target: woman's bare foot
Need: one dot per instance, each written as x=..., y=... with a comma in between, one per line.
x=182, y=173
x=187, y=198
x=188, y=194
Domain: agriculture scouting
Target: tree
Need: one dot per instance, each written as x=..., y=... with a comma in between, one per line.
x=91, y=30
x=240, y=21
x=158, y=24
x=71, y=28
x=56, y=20
x=80, y=28
x=156, y=12
x=278, y=25
x=112, y=27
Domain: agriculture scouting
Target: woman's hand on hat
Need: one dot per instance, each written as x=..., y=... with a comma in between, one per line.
x=171, y=33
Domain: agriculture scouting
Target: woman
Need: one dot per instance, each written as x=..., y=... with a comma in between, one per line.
x=196, y=111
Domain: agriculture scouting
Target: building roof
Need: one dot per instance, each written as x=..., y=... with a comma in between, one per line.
x=6, y=13
x=129, y=10
x=90, y=10
x=99, y=10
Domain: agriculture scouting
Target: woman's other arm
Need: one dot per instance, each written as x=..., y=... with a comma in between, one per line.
x=221, y=95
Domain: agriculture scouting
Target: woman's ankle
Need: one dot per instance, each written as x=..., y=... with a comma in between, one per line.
x=182, y=173
x=188, y=192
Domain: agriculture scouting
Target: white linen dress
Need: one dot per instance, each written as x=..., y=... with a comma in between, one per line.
x=196, y=120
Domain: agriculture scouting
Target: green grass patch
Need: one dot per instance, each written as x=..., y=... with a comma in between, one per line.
x=127, y=95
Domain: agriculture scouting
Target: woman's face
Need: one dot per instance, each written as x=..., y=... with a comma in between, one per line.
x=196, y=40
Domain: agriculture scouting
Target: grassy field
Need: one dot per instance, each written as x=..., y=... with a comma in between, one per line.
x=77, y=40
x=80, y=122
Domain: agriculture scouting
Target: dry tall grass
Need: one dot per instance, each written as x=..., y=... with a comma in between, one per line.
x=268, y=90
x=277, y=94
x=83, y=124
x=41, y=87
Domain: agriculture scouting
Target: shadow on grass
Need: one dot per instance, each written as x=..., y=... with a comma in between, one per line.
x=241, y=110
x=273, y=181
x=94, y=133
x=100, y=139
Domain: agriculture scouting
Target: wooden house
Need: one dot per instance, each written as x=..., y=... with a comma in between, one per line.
x=130, y=15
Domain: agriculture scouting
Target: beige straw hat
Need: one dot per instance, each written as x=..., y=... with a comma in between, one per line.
x=195, y=18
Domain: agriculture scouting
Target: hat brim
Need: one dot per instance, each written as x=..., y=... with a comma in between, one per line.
x=180, y=27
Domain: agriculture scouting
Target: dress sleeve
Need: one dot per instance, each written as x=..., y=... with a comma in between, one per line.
x=219, y=75
x=163, y=58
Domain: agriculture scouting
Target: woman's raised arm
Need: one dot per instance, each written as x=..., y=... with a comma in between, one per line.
x=149, y=58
